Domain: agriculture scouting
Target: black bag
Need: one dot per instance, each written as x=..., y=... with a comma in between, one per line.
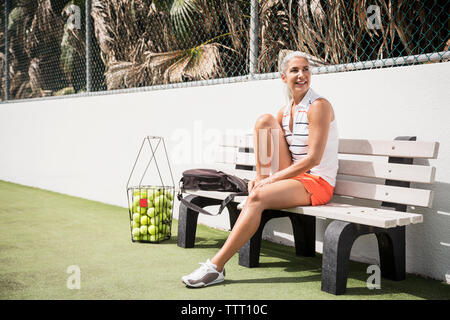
x=211, y=180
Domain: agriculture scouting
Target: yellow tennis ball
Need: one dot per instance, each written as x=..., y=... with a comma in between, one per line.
x=143, y=230
x=155, y=220
x=153, y=230
x=136, y=232
x=144, y=220
x=135, y=225
x=151, y=212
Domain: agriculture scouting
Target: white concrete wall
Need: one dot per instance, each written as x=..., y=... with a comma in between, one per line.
x=86, y=146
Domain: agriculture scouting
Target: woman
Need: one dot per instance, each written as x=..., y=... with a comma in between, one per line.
x=304, y=163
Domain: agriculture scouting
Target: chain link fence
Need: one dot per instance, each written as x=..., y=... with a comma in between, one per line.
x=60, y=47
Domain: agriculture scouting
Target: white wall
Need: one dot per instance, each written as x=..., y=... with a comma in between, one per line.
x=86, y=146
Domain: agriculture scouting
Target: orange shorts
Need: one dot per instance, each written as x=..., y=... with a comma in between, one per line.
x=321, y=191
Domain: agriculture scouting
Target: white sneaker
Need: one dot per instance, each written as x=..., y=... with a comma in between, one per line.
x=204, y=276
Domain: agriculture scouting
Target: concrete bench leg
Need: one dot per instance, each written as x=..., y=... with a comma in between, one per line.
x=187, y=220
x=304, y=230
x=337, y=245
x=392, y=249
x=234, y=213
x=249, y=253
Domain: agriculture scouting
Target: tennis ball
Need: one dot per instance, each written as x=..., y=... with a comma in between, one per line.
x=136, y=232
x=144, y=220
x=158, y=210
x=165, y=229
x=153, y=230
x=136, y=217
x=136, y=192
x=136, y=200
x=143, y=230
x=169, y=195
x=157, y=203
x=155, y=220
x=151, y=195
x=135, y=225
x=145, y=237
x=160, y=202
x=143, y=210
x=151, y=212
x=143, y=193
x=168, y=215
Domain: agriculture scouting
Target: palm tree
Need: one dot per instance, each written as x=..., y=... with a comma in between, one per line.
x=150, y=42
x=156, y=42
x=337, y=32
x=35, y=32
x=47, y=56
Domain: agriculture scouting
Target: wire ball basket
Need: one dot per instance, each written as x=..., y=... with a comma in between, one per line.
x=150, y=207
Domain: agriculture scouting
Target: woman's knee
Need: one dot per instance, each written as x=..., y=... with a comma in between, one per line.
x=266, y=120
x=255, y=198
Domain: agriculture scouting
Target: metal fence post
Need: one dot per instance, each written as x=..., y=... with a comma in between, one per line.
x=254, y=15
x=6, y=70
x=88, y=46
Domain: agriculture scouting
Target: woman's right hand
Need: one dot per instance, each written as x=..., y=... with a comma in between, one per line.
x=251, y=184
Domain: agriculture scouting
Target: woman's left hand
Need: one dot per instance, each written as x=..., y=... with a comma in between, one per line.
x=263, y=182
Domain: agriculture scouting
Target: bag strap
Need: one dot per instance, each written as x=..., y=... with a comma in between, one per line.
x=224, y=203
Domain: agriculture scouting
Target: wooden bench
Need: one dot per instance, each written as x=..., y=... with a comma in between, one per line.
x=384, y=184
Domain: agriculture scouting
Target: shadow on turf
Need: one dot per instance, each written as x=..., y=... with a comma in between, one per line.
x=357, y=271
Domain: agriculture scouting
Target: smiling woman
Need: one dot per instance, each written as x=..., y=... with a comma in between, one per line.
x=296, y=163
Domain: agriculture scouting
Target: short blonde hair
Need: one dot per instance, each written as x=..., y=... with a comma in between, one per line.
x=288, y=57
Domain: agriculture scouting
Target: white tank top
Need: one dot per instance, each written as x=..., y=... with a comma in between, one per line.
x=298, y=139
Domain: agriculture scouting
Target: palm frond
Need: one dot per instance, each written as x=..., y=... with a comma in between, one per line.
x=181, y=14
x=199, y=63
x=117, y=73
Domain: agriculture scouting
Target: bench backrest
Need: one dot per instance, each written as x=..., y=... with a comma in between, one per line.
x=358, y=175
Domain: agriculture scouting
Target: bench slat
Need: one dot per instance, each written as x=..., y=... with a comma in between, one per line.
x=343, y=214
x=246, y=174
x=362, y=215
x=392, y=171
x=226, y=155
x=394, y=148
x=409, y=196
x=391, y=148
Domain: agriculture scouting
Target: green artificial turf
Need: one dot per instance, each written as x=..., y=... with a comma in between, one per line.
x=42, y=233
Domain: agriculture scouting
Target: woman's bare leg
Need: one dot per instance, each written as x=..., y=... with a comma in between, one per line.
x=271, y=154
x=271, y=149
x=278, y=195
